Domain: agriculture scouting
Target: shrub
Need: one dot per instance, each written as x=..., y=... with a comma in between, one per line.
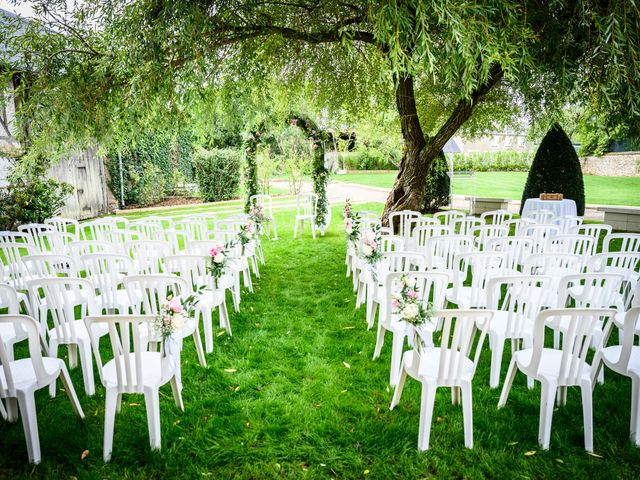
x=555, y=169
x=438, y=187
x=508, y=161
x=218, y=173
x=31, y=197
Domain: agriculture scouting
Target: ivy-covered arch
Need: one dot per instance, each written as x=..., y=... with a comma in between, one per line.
x=320, y=175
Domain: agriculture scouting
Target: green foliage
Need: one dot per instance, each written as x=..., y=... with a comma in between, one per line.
x=31, y=197
x=267, y=167
x=218, y=173
x=153, y=168
x=370, y=158
x=507, y=161
x=251, y=169
x=437, y=190
x=555, y=169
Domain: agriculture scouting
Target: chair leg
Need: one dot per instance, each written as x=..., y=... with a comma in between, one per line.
x=152, y=402
x=587, y=415
x=399, y=387
x=467, y=414
x=3, y=411
x=71, y=392
x=396, y=357
x=27, y=403
x=635, y=410
x=110, y=407
x=207, y=327
x=87, y=368
x=53, y=352
x=497, y=349
x=547, y=403
x=372, y=310
x=313, y=229
x=295, y=229
x=12, y=409
x=198, y=343
x=177, y=393
x=508, y=381
x=73, y=355
x=427, y=401
x=224, y=317
x=379, y=340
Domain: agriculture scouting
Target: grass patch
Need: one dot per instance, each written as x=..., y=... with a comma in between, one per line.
x=293, y=409
x=598, y=190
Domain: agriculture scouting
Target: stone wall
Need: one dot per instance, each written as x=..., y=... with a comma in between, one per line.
x=624, y=164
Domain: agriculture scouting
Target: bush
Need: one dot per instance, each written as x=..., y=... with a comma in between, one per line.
x=438, y=187
x=555, y=169
x=31, y=197
x=508, y=161
x=369, y=159
x=218, y=173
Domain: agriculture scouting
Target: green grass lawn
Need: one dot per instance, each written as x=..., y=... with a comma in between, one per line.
x=598, y=190
x=305, y=400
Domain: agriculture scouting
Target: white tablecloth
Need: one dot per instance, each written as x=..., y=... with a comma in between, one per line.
x=558, y=207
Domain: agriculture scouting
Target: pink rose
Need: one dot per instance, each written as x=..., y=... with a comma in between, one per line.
x=395, y=303
x=412, y=294
x=175, y=305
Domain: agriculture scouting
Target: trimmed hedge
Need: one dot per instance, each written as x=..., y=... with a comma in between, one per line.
x=218, y=173
x=438, y=187
x=555, y=169
x=508, y=161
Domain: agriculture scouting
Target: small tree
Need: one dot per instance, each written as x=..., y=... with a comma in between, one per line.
x=438, y=186
x=555, y=169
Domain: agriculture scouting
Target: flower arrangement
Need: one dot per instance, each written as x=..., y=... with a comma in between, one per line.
x=246, y=233
x=256, y=214
x=219, y=254
x=346, y=211
x=172, y=315
x=407, y=303
x=371, y=245
x=351, y=227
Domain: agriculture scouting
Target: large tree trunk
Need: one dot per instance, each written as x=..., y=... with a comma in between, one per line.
x=408, y=190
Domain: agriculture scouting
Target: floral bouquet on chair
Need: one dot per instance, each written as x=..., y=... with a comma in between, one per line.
x=247, y=233
x=409, y=307
x=371, y=250
x=219, y=259
x=257, y=216
x=172, y=316
x=351, y=228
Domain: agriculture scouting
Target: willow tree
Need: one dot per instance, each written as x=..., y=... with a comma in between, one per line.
x=123, y=63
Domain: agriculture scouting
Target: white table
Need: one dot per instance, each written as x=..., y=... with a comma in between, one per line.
x=560, y=208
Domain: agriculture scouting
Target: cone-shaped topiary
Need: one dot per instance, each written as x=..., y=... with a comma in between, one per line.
x=555, y=169
x=438, y=187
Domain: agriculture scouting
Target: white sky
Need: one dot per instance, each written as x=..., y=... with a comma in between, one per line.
x=22, y=8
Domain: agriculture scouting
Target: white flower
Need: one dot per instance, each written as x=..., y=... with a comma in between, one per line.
x=410, y=282
x=219, y=257
x=177, y=321
x=367, y=250
x=410, y=311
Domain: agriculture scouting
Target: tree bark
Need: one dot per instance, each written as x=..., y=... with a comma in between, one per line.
x=408, y=190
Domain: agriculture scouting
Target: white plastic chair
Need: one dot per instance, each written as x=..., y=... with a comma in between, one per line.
x=95, y=230
x=624, y=359
x=484, y=233
x=15, y=237
x=148, y=292
x=465, y=226
x=193, y=268
x=21, y=378
x=65, y=225
x=11, y=254
x=518, y=249
x=451, y=364
x=567, y=223
x=49, y=266
x=148, y=229
x=448, y=217
x=307, y=204
x=10, y=334
x=413, y=224
x=583, y=245
x=133, y=369
x=60, y=297
x=431, y=287
x=54, y=241
x=596, y=230
x=497, y=217
x=540, y=234
x=106, y=271
x=629, y=242
x=519, y=225
x=541, y=216
x=270, y=221
x=482, y=266
x=34, y=230
x=420, y=235
x=514, y=314
x=441, y=251
x=148, y=255
x=399, y=221
x=195, y=229
x=559, y=368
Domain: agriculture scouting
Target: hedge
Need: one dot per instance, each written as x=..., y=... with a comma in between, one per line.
x=218, y=173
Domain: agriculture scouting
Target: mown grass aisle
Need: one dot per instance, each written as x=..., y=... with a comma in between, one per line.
x=294, y=394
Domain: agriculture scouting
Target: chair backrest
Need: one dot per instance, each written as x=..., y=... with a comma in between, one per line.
x=624, y=263
x=95, y=229
x=581, y=324
x=628, y=242
x=496, y=217
x=148, y=255
x=128, y=350
x=441, y=251
x=34, y=229
x=119, y=237
x=399, y=262
x=459, y=329
x=201, y=247
x=525, y=296
x=65, y=225
x=590, y=290
x=30, y=326
x=105, y=271
x=517, y=249
x=196, y=230
x=307, y=204
x=448, y=217
x=583, y=245
x=11, y=255
x=192, y=268
x=265, y=200
x=482, y=266
x=484, y=233
x=148, y=292
x=596, y=230
x=399, y=221
x=84, y=247
x=9, y=299
x=630, y=327
x=540, y=233
x=519, y=225
x=430, y=286
x=465, y=225
x=50, y=266
x=567, y=222
x=54, y=241
x=62, y=296
x=148, y=229
x=541, y=216
x=553, y=264
x=15, y=237
x=421, y=235
x=391, y=243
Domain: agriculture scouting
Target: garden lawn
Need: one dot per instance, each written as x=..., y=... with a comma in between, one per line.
x=598, y=190
x=295, y=394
